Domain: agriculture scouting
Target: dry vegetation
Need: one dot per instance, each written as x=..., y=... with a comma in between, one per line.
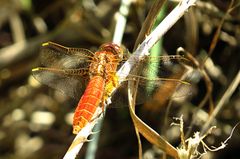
x=36, y=120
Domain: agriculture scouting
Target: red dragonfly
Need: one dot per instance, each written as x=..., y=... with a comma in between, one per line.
x=79, y=72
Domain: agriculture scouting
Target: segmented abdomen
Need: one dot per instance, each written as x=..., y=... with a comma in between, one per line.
x=88, y=103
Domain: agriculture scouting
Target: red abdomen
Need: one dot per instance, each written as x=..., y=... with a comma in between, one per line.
x=88, y=103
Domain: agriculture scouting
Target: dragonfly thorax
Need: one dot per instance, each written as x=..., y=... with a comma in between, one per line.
x=104, y=64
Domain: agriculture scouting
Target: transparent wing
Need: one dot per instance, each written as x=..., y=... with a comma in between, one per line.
x=66, y=68
x=69, y=84
x=158, y=66
x=57, y=56
x=158, y=77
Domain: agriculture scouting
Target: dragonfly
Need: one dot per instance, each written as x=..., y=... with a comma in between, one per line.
x=91, y=76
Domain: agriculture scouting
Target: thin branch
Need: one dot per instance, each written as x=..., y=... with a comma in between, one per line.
x=17, y=27
x=217, y=33
x=121, y=17
x=222, y=101
x=149, y=21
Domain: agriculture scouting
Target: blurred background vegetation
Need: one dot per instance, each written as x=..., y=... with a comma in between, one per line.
x=36, y=120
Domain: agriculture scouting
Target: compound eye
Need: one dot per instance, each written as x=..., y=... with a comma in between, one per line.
x=117, y=50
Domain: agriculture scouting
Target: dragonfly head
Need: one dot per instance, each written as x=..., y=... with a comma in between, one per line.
x=114, y=48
